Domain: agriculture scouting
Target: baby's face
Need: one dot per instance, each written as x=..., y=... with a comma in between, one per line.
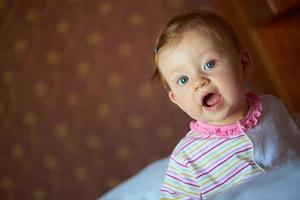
x=207, y=79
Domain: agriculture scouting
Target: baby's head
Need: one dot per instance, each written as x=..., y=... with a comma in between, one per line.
x=202, y=65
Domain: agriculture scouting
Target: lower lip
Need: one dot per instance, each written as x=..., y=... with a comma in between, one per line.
x=215, y=106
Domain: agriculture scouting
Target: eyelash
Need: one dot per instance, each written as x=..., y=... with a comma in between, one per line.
x=205, y=67
x=181, y=78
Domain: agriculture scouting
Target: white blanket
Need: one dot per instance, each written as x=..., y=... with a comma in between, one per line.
x=280, y=184
x=144, y=185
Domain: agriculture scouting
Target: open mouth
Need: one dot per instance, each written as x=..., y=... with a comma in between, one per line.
x=211, y=100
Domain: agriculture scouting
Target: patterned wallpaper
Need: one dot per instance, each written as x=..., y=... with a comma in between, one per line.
x=77, y=115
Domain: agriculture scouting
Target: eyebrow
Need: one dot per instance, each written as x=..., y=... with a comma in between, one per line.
x=198, y=56
x=205, y=52
x=176, y=69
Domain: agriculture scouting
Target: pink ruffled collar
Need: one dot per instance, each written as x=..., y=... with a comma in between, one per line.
x=248, y=122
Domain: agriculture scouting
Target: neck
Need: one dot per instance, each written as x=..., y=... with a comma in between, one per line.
x=235, y=116
x=240, y=122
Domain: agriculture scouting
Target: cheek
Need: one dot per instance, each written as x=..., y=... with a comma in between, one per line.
x=232, y=86
x=181, y=99
x=184, y=102
x=233, y=77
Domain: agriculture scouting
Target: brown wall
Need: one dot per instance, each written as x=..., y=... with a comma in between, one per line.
x=270, y=28
x=76, y=115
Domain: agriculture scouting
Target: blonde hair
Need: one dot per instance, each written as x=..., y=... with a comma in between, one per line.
x=205, y=20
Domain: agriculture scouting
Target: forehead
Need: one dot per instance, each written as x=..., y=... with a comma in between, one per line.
x=196, y=34
x=190, y=43
x=202, y=38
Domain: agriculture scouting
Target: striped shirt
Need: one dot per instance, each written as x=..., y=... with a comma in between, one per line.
x=210, y=160
x=203, y=165
x=200, y=168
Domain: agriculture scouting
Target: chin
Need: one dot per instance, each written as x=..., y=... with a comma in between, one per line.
x=219, y=119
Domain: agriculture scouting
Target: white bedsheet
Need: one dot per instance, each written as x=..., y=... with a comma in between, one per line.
x=143, y=186
x=280, y=184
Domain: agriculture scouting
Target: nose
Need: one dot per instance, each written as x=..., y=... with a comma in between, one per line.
x=200, y=83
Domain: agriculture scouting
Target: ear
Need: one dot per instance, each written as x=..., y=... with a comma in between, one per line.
x=246, y=62
x=172, y=97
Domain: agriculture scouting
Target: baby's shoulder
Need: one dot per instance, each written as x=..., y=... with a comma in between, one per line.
x=272, y=104
x=191, y=143
x=268, y=99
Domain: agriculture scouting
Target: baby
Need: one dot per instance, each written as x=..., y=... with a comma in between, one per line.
x=235, y=135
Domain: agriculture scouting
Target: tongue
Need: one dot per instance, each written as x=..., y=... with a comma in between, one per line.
x=212, y=99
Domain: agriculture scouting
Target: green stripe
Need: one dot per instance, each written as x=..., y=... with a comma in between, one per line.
x=222, y=152
x=181, y=188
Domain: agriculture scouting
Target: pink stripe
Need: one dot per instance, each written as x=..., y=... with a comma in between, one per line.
x=207, y=146
x=182, y=165
x=183, y=178
x=185, y=165
x=224, y=176
x=186, y=145
x=223, y=161
x=227, y=179
x=162, y=190
x=216, y=161
x=191, y=161
x=182, y=181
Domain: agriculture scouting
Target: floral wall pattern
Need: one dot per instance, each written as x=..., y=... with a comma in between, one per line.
x=77, y=115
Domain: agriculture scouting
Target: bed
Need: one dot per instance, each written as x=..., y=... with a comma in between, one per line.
x=280, y=184
x=144, y=185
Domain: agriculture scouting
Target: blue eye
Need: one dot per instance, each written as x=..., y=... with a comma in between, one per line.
x=209, y=65
x=183, y=80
